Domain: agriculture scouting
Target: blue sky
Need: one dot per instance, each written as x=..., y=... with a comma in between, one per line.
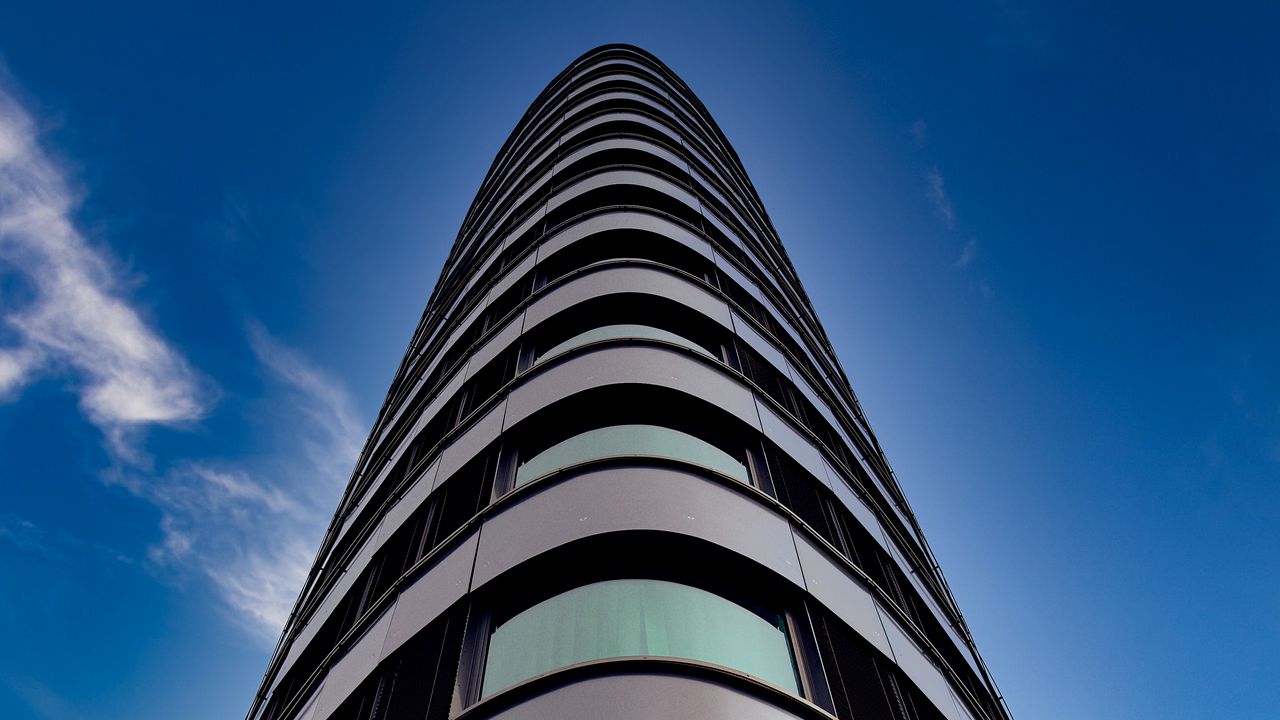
x=1045, y=240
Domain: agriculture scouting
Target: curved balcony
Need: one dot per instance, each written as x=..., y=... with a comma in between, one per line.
x=673, y=407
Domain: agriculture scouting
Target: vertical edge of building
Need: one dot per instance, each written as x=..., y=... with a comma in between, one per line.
x=620, y=471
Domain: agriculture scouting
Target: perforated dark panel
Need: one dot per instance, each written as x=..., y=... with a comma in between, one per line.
x=858, y=681
x=423, y=673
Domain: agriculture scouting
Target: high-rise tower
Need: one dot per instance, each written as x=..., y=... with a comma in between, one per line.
x=619, y=472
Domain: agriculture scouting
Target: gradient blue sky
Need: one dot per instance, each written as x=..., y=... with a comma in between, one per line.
x=1045, y=240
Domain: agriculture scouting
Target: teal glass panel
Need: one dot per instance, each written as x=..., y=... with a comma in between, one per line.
x=626, y=618
x=617, y=332
x=624, y=440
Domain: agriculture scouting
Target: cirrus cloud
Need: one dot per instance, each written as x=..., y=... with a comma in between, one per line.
x=73, y=317
x=250, y=525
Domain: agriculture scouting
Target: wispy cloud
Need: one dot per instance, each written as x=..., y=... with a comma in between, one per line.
x=967, y=253
x=919, y=132
x=42, y=700
x=250, y=526
x=263, y=585
x=55, y=544
x=73, y=317
x=937, y=195
x=336, y=432
x=247, y=526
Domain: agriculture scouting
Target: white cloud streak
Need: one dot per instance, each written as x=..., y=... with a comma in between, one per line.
x=938, y=196
x=328, y=408
x=42, y=700
x=919, y=132
x=250, y=526
x=967, y=253
x=55, y=544
x=75, y=319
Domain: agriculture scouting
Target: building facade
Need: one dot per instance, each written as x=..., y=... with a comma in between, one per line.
x=620, y=472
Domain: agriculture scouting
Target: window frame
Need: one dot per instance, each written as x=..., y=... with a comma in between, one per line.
x=776, y=619
x=697, y=564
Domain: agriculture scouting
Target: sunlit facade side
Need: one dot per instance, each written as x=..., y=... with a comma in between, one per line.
x=620, y=472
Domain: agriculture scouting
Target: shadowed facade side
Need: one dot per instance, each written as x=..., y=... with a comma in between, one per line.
x=620, y=472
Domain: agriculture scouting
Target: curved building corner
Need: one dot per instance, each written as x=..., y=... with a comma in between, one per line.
x=619, y=471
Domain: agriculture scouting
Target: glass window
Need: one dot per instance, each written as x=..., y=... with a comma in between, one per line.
x=625, y=618
x=624, y=440
x=617, y=332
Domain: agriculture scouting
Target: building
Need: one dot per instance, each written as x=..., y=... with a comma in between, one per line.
x=619, y=472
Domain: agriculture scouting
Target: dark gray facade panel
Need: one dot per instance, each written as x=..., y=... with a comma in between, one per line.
x=326, y=608
x=503, y=231
x=917, y=667
x=658, y=123
x=610, y=178
x=525, y=225
x=846, y=597
x=618, y=279
x=834, y=587
x=380, y=436
x=453, y=333
x=616, y=365
x=398, y=451
x=535, y=189
x=354, y=666
x=585, y=102
x=793, y=443
x=349, y=522
x=412, y=499
x=626, y=279
x=612, y=77
x=746, y=330
x=644, y=697
x=763, y=269
x=446, y=582
x=619, y=143
x=498, y=475
x=857, y=506
x=495, y=345
x=467, y=445
x=436, y=404
x=730, y=268
x=621, y=220
x=621, y=499
x=628, y=115
x=308, y=711
x=890, y=505
x=449, y=579
x=442, y=397
x=805, y=387
x=471, y=315
x=512, y=275
x=343, y=585
x=931, y=604
x=647, y=179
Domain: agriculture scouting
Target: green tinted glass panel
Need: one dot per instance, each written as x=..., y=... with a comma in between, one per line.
x=623, y=440
x=624, y=618
x=616, y=332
